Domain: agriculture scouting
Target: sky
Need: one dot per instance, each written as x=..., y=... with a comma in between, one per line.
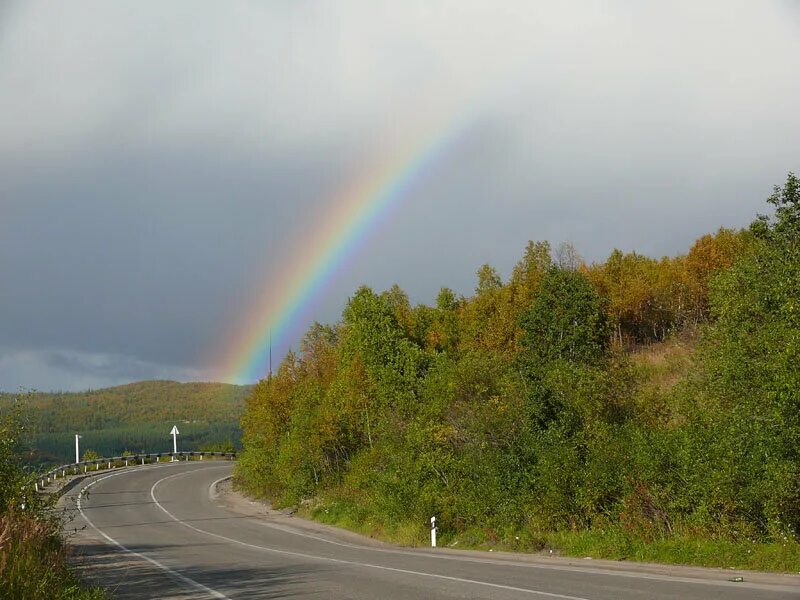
x=160, y=162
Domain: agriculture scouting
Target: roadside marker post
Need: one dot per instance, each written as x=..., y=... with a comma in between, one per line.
x=433, y=532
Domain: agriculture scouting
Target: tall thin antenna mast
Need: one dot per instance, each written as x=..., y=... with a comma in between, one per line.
x=270, y=353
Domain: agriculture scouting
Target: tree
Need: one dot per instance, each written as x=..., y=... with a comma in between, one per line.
x=12, y=474
x=528, y=273
x=567, y=257
x=535, y=262
x=446, y=300
x=390, y=358
x=488, y=280
x=785, y=225
x=749, y=362
x=441, y=332
x=489, y=320
x=710, y=255
x=567, y=321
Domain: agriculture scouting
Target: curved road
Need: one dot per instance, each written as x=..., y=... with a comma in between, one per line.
x=158, y=532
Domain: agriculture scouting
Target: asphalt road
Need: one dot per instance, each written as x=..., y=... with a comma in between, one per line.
x=158, y=532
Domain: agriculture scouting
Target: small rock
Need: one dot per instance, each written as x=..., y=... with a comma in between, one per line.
x=737, y=579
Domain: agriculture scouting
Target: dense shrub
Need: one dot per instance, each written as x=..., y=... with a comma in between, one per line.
x=33, y=561
x=32, y=551
x=523, y=412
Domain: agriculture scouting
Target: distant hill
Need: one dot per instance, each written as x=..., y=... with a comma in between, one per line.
x=135, y=417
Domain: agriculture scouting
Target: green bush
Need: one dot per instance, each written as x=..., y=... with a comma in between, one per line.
x=32, y=551
x=514, y=419
x=33, y=561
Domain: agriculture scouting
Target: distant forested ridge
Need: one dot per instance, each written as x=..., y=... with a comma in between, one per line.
x=634, y=403
x=135, y=417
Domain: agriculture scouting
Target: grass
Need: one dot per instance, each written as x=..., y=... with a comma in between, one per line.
x=354, y=518
x=658, y=370
x=662, y=365
x=611, y=543
x=684, y=549
x=33, y=561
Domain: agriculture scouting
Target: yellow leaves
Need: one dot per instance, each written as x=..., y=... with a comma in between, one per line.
x=444, y=433
x=709, y=255
x=498, y=404
x=648, y=298
x=490, y=321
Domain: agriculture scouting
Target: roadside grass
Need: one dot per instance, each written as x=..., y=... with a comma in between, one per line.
x=33, y=562
x=615, y=544
x=357, y=519
x=612, y=543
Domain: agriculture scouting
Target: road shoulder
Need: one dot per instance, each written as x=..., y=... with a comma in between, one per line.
x=233, y=500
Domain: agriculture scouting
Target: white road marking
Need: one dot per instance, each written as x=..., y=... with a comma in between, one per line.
x=180, y=577
x=349, y=562
x=595, y=571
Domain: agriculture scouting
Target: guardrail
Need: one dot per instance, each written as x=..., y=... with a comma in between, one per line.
x=116, y=462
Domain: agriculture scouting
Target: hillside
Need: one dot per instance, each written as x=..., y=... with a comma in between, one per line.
x=637, y=407
x=135, y=417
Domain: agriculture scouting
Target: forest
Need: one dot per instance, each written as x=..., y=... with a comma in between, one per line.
x=136, y=417
x=633, y=408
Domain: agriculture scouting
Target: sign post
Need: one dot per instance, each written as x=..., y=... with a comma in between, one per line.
x=174, y=434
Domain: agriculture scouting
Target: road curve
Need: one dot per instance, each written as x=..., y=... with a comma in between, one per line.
x=157, y=532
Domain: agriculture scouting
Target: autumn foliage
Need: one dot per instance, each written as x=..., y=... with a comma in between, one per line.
x=33, y=552
x=650, y=396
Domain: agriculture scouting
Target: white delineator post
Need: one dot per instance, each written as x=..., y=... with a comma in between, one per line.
x=77, y=449
x=175, y=434
x=433, y=532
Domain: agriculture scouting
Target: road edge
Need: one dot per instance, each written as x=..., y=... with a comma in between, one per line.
x=238, y=502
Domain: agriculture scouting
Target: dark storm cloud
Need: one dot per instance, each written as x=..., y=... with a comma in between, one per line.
x=136, y=252
x=50, y=369
x=159, y=163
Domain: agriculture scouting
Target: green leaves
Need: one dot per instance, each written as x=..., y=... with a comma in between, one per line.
x=567, y=321
x=510, y=410
x=786, y=222
x=749, y=374
x=395, y=362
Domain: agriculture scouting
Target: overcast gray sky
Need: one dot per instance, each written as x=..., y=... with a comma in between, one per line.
x=158, y=160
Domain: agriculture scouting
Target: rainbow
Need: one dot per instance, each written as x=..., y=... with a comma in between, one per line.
x=355, y=211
